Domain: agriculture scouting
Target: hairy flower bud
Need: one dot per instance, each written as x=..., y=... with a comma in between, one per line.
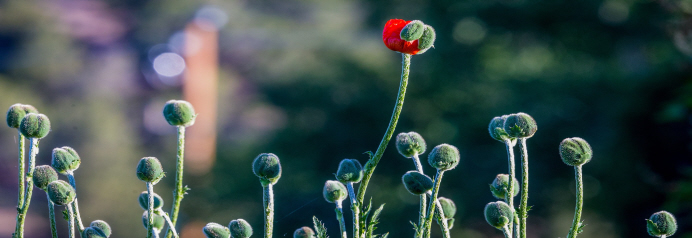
x=61, y=192
x=103, y=226
x=144, y=201
x=500, y=186
x=215, y=230
x=496, y=129
x=334, y=191
x=444, y=157
x=575, y=151
x=410, y=144
x=240, y=228
x=448, y=207
x=179, y=113
x=17, y=112
x=426, y=41
x=498, y=214
x=267, y=167
x=92, y=232
x=304, y=232
x=412, y=31
x=43, y=175
x=416, y=182
x=520, y=125
x=350, y=170
x=159, y=221
x=65, y=160
x=35, y=125
x=149, y=170
x=661, y=223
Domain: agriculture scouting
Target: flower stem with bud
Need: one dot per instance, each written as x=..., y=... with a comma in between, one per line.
x=576, y=223
x=179, y=190
x=433, y=199
x=268, y=210
x=51, y=217
x=28, y=190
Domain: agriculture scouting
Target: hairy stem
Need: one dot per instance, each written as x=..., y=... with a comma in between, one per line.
x=168, y=221
x=433, y=202
x=20, y=174
x=509, y=198
x=70, y=220
x=507, y=232
x=340, y=217
x=442, y=220
x=51, y=217
x=524, y=186
x=355, y=209
x=75, y=205
x=573, y=232
x=150, y=210
x=268, y=210
x=179, y=190
x=28, y=190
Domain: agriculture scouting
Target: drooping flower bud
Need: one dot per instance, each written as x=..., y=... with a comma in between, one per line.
x=103, y=226
x=575, y=151
x=334, y=191
x=520, y=125
x=179, y=113
x=496, y=128
x=144, y=201
x=661, y=223
x=410, y=144
x=391, y=37
x=448, y=207
x=17, y=112
x=416, y=182
x=240, y=228
x=43, y=175
x=159, y=221
x=267, y=167
x=304, y=232
x=427, y=40
x=412, y=31
x=444, y=157
x=500, y=186
x=61, y=192
x=498, y=214
x=92, y=232
x=35, y=125
x=215, y=230
x=350, y=171
x=149, y=170
x=65, y=160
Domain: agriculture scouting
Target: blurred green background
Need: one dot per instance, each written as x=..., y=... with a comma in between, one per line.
x=311, y=81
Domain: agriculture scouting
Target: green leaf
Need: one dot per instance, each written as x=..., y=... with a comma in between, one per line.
x=415, y=228
x=581, y=227
x=320, y=230
x=374, y=220
x=385, y=235
x=65, y=215
x=369, y=153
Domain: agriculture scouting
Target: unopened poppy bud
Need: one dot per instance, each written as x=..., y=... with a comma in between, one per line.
x=179, y=113
x=412, y=31
x=498, y=214
x=520, y=125
x=267, y=167
x=304, y=232
x=350, y=171
x=444, y=157
x=427, y=40
x=240, y=228
x=144, y=201
x=334, y=191
x=65, y=160
x=159, y=221
x=661, y=223
x=448, y=207
x=500, y=186
x=92, y=232
x=575, y=151
x=17, y=112
x=215, y=230
x=410, y=144
x=149, y=170
x=61, y=192
x=416, y=182
x=103, y=226
x=35, y=125
x=43, y=175
x=496, y=128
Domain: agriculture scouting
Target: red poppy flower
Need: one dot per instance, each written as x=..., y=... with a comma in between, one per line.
x=391, y=36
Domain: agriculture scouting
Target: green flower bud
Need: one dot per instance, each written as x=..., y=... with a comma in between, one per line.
x=61, y=192
x=334, y=191
x=267, y=167
x=179, y=113
x=427, y=40
x=304, y=232
x=350, y=170
x=159, y=221
x=35, y=125
x=498, y=214
x=240, y=228
x=444, y=157
x=102, y=226
x=215, y=230
x=661, y=223
x=575, y=151
x=43, y=175
x=448, y=207
x=144, y=201
x=17, y=112
x=496, y=128
x=520, y=125
x=149, y=170
x=416, y=182
x=92, y=232
x=500, y=186
x=412, y=31
x=65, y=160
x=410, y=144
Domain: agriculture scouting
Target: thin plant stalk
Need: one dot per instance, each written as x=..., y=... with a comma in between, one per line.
x=355, y=209
x=179, y=190
x=268, y=210
x=509, y=198
x=150, y=211
x=28, y=190
x=156, y=233
x=340, y=216
x=506, y=231
x=20, y=174
x=524, y=187
x=51, y=217
x=168, y=221
x=70, y=220
x=423, y=211
x=78, y=218
x=433, y=199
x=580, y=200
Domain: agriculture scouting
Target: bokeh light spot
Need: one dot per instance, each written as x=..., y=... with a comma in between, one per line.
x=169, y=64
x=469, y=31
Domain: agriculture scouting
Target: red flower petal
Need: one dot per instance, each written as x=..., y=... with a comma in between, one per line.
x=392, y=38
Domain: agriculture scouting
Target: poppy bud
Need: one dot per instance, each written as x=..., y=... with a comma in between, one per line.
x=410, y=144
x=43, y=175
x=240, y=228
x=500, y=186
x=520, y=125
x=444, y=157
x=149, y=170
x=448, y=207
x=661, y=223
x=391, y=36
x=61, y=192
x=92, y=232
x=304, y=232
x=267, y=167
x=350, y=171
x=334, y=191
x=103, y=226
x=35, y=125
x=575, y=151
x=179, y=113
x=215, y=230
x=159, y=221
x=416, y=182
x=412, y=31
x=65, y=160
x=498, y=214
x=17, y=112
x=144, y=201
x=496, y=128
x=426, y=41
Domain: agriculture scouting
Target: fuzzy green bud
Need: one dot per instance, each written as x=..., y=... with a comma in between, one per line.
x=150, y=170
x=92, y=232
x=304, y=232
x=61, y=192
x=334, y=191
x=65, y=160
x=500, y=186
x=448, y=207
x=350, y=170
x=412, y=31
x=575, y=151
x=427, y=40
x=267, y=167
x=35, y=125
x=43, y=175
x=179, y=113
x=240, y=228
x=520, y=125
x=103, y=226
x=444, y=157
x=661, y=223
x=159, y=221
x=416, y=182
x=498, y=214
x=17, y=112
x=410, y=144
x=496, y=129
x=144, y=201
x=215, y=230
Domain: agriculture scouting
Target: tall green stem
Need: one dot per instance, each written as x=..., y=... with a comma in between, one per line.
x=20, y=174
x=442, y=220
x=150, y=210
x=340, y=217
x=524, y=186
x=355, y=209
x=75, y=205
x=509, y=198
x=507, y=232
x=268, y=210
x=179, y=190
x=70, y=220
x=168, y=221
x=574, y=231
x=28, y=190
x=433, y=202
x=51, y=217
x=423, y=199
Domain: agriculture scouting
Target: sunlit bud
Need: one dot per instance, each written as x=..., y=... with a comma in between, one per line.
x=61, y=192
x=350, y=170
x=498, y=214
x=240, y=228
x=412, y=31
x=334, y=191
x=267, y=167
x=179, y=113
x=103, y=226
x=575, y=151
x=17, y=112
x=444, y=157
x=304, y=232
x=65, y=160
x=427, y=40
x=92, y=232
x=35, y=125
x=215, y=230
x=496, y=128
x=448, y=207
x=416, y=182
x=500, y=186
x=149, y=170
x=410, y=144
x=520, y=125
x=43, y=175
x=144, y=201
x=159, y=221
x=661, y=223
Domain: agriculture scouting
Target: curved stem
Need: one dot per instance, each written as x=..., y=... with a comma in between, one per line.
x=509, y=198
x=268, y=210
x=340, y=217
x=576, y=223
x=150, y=211
x=506, y=231
x=51, y=217
x=179, y=190
x=433, y=202
x=75, y=205
x=421, y=215
x=442, y=220
x=354, y=209
x=168, y=220
x=70, y=220
x=524, y=186
x=28, y=190
x=156, y=233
